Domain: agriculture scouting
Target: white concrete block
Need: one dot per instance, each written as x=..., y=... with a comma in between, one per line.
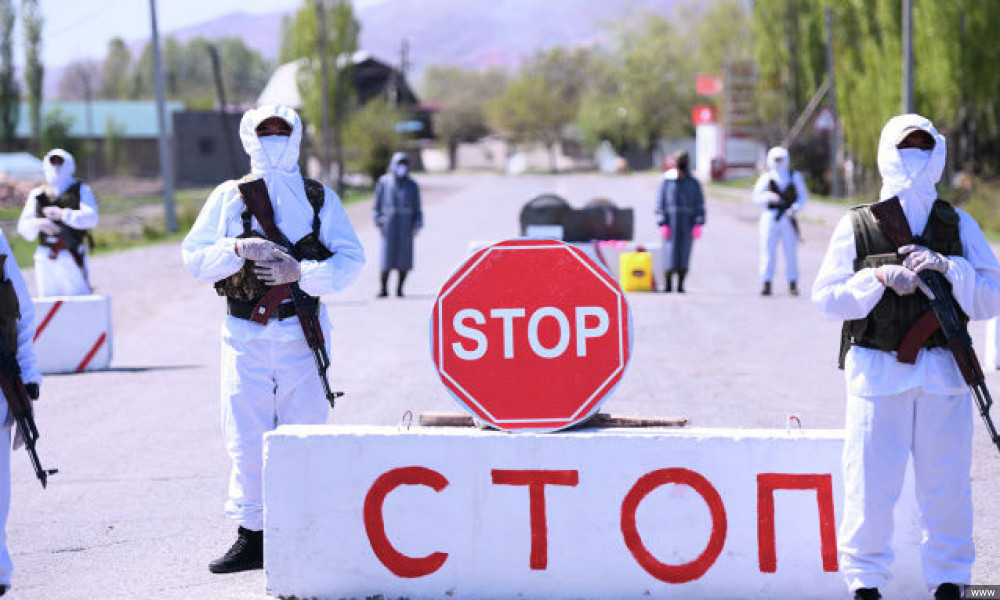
x=73, y=333
x=338, y=526
x=991, y=357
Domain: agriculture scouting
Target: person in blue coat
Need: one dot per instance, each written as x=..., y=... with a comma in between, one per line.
x=680, y=213
x=398, y=217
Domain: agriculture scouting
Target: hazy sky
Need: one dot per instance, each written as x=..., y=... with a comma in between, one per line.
x=81, y=28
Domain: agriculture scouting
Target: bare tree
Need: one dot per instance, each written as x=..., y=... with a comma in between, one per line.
x=81, y=80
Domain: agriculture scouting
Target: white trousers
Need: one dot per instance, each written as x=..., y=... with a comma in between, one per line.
x=882, y=433
x=61, y=276
x=265, y=383
x=771, y=233
x=6, y=566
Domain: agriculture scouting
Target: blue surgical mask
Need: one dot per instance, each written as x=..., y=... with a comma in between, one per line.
x=914, y=160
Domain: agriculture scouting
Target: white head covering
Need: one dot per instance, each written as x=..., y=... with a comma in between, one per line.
x=279, y=168
x=780, y=173
x=59, y=177
x=915, y=190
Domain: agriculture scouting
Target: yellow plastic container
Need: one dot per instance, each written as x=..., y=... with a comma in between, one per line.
x=635, y=271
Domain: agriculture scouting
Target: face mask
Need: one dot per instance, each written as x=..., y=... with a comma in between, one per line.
x=914, y=160
x=402, y=170
x=273, y=147
x=51, y=172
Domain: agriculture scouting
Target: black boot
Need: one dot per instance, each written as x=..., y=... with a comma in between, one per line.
x=668, y=285
x=399, y=286
x=3, y=590
x=680, y=281
x=793, y=288
x=384, y=280
x=867, y=594
x=948, y=591
x=246, y=554
x=767, y=289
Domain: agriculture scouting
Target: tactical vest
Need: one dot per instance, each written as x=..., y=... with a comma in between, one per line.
x=887, y=324
x=789, y=194
x=244, y=285
x=68, y=199
x=10, y=307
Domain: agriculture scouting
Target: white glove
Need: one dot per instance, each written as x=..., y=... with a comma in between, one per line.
x=255, y=248
x=279, y=270
x=46, y=226
x=902, y=280
x=919, y=258
x=53, y=213
x=772, y=196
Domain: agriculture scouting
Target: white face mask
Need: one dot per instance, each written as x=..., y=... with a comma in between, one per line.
x=914, y=160
x=273, y=146
x=402, y=170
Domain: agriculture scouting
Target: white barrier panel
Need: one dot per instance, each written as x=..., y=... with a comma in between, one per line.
x=991, y=358
x=354, y=512
x=73, y=333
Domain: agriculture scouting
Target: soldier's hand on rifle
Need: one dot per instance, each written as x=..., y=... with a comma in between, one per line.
x=901, y=280
x=46, y=226
x=279, y=269
x=53, y=213
x=255, y=249
x=919, y=258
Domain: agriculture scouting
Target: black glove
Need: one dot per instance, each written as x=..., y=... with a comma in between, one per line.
x=32, y=390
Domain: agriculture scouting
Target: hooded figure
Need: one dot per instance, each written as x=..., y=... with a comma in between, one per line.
x=897, y=411
x=398, y=217
x=680, y=214
x=59, y=215
x=17, y=325
x=269, y=375
x=782, y=192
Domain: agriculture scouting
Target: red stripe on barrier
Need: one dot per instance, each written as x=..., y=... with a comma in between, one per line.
x=93, y=351
x=45, y=321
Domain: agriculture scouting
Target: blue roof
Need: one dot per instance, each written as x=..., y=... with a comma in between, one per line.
x=137, y=116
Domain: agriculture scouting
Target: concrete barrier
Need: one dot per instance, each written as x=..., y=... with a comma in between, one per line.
x=73, y=333
x=355, y=512
x=991, y=357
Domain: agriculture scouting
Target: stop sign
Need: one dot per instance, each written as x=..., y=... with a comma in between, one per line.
x=531, y=335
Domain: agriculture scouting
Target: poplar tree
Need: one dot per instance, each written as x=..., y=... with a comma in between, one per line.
x=9, y=91
x=34, y=71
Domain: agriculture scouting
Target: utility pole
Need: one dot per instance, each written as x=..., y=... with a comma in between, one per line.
x=220, y=91
x=166, y=169
x=907, y=56
x=324, y=95
x=832, y=96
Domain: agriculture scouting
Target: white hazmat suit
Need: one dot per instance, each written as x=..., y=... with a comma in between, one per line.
x=29, y=374
x=895, y=410
x=774, y=231
x=59, y=276
x=269, y=377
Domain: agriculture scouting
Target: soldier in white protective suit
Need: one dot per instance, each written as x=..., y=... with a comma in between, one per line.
x=897, y=411
x=782, y=192
x=59, y=215
x=269, y=376
x=17, y=325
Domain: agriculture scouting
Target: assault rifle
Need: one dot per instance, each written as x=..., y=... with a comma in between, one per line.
x=782, y=207
x=943, y=314
x=257, y=199
x=65, y=240
x=19, y=405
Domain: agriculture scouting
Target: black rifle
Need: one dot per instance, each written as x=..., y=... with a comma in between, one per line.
x=258, y=200
x=66, y=239
x=892, y=221
x=19, y=404
x=783, y=205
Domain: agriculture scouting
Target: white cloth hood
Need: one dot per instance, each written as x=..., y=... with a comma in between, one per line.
x=781, y=174
x=282, y=176
x=896, y=181
x=59, y=177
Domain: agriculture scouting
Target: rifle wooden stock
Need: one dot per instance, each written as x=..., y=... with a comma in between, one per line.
x=19, y=405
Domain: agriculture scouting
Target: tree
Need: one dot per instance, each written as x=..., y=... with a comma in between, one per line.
x=461, y=95
x=115, y=71
x=34, y=70
x=9, y=91
x=372, y=136
x=114, y=146
x=81, y=80
x=56, y=126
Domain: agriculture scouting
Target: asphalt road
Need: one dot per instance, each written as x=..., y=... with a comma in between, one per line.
x=136, y=510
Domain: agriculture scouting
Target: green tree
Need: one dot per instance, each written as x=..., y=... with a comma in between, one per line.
x=56, y=127
x=372, y=137
x=32, y=22
x=114, y=147
x=9, y=91
x=115, y=71
x=461, y=95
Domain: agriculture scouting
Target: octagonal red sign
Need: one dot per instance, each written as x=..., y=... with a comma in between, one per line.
x=531, y=335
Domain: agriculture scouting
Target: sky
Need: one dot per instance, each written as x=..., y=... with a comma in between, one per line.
x=81, y=28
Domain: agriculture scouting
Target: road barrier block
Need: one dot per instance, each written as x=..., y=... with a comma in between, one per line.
x=356, y=512
x=73, y=333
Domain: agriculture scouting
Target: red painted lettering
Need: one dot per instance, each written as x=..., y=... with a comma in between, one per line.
x=767, y=483
x=662, y=571
x=536, y=482
x=394, y=560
